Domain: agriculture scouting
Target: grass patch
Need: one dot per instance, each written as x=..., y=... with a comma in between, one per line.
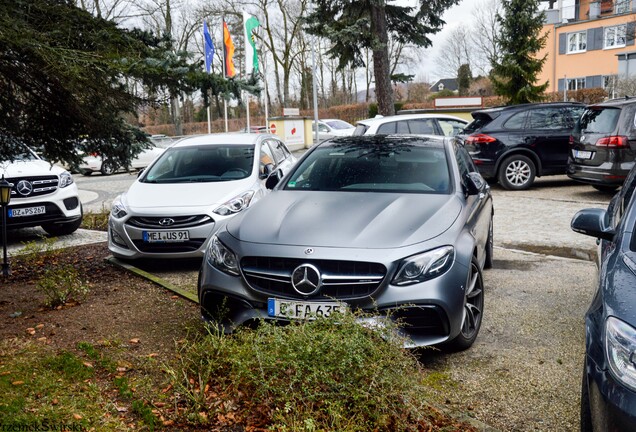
x=311, y=376
x=48, y=390
x=97, y=221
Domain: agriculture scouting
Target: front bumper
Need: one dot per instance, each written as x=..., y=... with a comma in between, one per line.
x=59, y=207
x=429, y=313
x=127, y=241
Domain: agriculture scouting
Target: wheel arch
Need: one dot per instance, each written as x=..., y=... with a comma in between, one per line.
x=520, y=151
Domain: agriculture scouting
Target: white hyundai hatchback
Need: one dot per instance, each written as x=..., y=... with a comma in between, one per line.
x=177, y=202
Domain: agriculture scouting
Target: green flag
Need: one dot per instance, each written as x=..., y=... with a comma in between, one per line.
x=251, y=56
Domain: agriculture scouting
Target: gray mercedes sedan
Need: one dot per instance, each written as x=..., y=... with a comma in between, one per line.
x=398, y=227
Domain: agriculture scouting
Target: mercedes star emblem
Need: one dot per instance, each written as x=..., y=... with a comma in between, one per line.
x=24, y=188
x=306, y=279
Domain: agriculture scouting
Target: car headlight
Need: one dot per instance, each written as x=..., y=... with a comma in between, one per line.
x=424, y=266
x=65, y=179
x=220, y=257
x=118, y=209
x=236, y=204
x=620, y=348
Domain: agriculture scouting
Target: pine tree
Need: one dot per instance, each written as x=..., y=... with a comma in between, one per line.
x=464, y=78
x=520, y=39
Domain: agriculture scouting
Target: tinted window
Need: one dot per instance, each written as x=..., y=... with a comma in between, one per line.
x=388, y=128
x=547, y=118
x=422, y=126
x=516, y=121
x=599, y=120
x=201, y=164
x=373, y=168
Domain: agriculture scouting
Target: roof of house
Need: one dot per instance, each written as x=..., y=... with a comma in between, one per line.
x=449, y=84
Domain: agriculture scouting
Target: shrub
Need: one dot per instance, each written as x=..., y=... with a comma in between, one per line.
x=60, y=284
x=315, y=375
x=96, y=220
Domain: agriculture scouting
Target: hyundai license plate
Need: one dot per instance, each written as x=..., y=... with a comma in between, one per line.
x=580, y=154
x=29, y=211
x=303, y=310
x=166, y=236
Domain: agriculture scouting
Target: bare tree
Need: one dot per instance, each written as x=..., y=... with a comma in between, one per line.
x=484, y=32
x=456, y=51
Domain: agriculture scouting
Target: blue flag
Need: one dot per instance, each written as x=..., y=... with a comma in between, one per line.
x=208, y=47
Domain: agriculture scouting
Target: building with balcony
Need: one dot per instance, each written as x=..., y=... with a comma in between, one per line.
x=590, y=44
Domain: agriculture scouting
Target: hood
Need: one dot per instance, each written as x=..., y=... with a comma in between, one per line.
x=342, y=132
x=177, y=195
x=29, y=168
x=346, y=219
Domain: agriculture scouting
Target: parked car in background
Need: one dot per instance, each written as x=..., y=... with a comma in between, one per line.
x=397, y=226
x=608, y=389
x=603, y=144
x=420, y=124
x=515, y=144
x=42, y=195
x=330, y=128
x=94, y=162
x=176, y=203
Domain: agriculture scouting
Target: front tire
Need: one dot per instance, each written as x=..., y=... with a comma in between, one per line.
x=517, y=172
x=473, y=310
x=586, y=413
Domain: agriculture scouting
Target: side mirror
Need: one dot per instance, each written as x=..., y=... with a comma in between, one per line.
x=266, y=170
x=273, y=179
x=593, y=222
x=474, y=183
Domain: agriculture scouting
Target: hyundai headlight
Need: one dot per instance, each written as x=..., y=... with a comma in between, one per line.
x=118, y=209
x=620, y=348
x=424, y=266
x=221, y=258
x=236, y=204
x=66, y=179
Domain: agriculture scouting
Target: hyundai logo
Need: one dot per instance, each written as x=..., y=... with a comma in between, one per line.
x=306, y=280
x=166, y=221
x=24, y=188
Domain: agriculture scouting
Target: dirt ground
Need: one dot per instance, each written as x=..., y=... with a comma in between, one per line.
x=119, y=306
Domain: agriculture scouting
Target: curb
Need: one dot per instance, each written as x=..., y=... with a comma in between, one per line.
x=159, y=281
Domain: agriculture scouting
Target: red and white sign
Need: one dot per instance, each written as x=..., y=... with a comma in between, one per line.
x=272, y=128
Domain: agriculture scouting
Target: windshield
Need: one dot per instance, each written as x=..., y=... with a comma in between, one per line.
x=397, y=165
x=202, y=163
x=598, y=120
x=339, y=124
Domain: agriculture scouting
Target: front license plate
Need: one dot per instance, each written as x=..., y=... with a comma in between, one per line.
x=166, y=236
x=579, y=154
x=303, y=310
x=29, y=211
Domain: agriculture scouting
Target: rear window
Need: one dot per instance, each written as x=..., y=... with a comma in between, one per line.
x=360, y=129
x=598, y=120
x=480, y=120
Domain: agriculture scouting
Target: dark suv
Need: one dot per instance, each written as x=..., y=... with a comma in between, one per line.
x=515, y=144
x=603, y=144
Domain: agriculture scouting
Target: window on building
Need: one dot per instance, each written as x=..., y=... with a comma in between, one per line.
x=622, y=6
x=615, y=37
x=577, y=42
x=576, y=83
x=609, y=84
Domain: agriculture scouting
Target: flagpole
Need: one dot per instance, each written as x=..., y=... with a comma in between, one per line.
x=224, y=71
x=209, y=123
x=266, y=98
